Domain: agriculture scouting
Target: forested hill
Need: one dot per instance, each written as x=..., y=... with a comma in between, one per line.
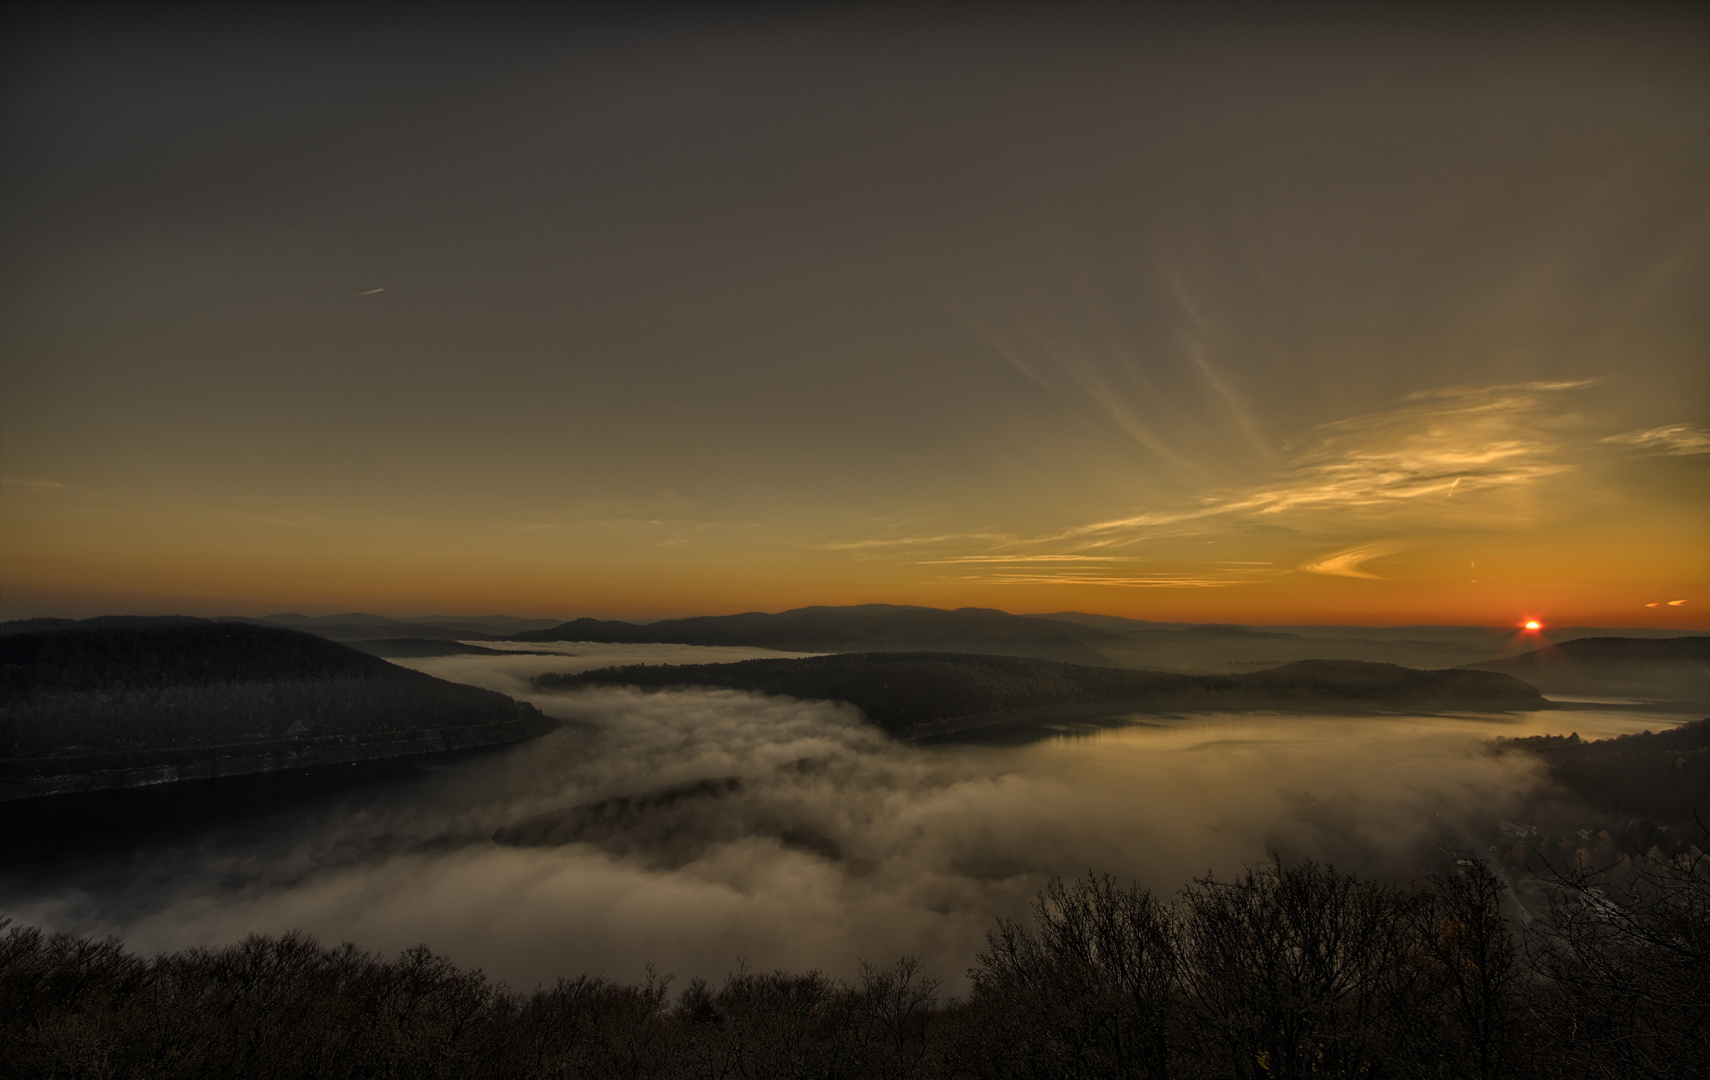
x=864, y=628
x=165, y=702
x=179, y=653
x=901, y=691
x=1651, y=667
x=1662, y=776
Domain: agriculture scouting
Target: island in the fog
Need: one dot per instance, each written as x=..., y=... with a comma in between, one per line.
x=915, y=695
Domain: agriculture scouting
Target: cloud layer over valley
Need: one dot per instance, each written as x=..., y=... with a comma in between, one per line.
x=832, y=843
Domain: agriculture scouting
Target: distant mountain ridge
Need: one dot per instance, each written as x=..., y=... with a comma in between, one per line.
x=418, y=648
x=903, y=692
x=360, y=626
x=1076, y=637
x=1680, y=666
x=865, y=628
x=1108, y=622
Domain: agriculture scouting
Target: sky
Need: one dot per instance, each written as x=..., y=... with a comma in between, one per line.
x=1211, y=313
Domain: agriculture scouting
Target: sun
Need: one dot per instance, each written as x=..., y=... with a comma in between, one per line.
x=1533, y=624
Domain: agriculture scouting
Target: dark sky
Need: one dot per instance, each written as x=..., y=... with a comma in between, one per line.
x=1228, y=312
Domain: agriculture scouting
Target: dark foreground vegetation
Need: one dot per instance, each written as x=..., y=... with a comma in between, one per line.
x=899, y=691
x=1287, y=971
x=180, y=692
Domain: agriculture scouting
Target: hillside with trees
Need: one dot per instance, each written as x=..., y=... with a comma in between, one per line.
x=1677, y=667
x=1288, y=971
x=901, y=692
x=127, y=705
x=1662, y=776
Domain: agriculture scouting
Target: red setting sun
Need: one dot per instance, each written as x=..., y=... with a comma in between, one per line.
x=1533, y=624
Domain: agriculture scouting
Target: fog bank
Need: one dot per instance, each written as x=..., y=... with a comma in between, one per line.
x=836, y=844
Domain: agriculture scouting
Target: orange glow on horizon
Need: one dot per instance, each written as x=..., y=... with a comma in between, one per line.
x=60, y=557
x=734, y=393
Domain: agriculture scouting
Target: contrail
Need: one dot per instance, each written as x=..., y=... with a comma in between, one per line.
x=370, y=292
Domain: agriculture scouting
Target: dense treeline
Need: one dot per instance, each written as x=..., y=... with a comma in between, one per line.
x=1658, y=776
x=91, y=691
x=1287, y=971
x=900, y=690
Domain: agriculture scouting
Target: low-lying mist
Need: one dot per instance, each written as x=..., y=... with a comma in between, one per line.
x=832, y=844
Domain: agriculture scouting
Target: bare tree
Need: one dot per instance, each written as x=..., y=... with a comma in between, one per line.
x=1089, y=993
x=1476, y=980
x=1298, y=971
x=1624, y=956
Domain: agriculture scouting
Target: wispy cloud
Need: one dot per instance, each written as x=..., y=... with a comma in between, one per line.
x=1063, y=570
x=1100, y=375
x=1007, y=559
x=1441, y=445
x=1197, y=345
x=1673, y=439
x=38, y=485
x=1434, y=455
x=233, y=514
x=906, y=541
x=1350, y=563
x=1152, y=581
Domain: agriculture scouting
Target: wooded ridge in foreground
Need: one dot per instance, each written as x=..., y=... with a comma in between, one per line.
x=899, y=691
x=1290, y=971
